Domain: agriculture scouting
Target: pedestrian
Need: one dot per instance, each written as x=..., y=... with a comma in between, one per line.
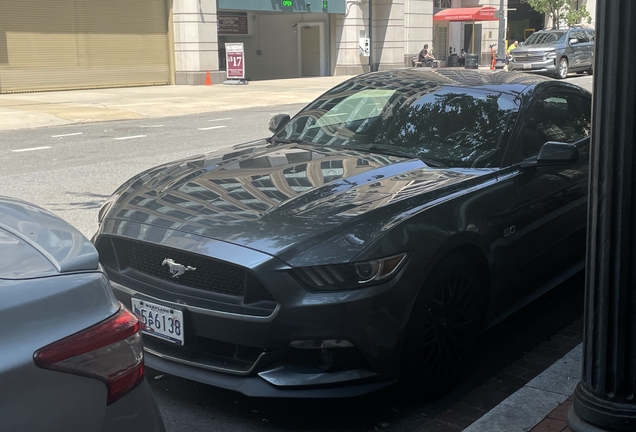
x=512, y=46
x=426, y=56
x=462, y=58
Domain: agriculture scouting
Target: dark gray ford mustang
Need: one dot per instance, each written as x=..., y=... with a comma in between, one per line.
x=372, y=237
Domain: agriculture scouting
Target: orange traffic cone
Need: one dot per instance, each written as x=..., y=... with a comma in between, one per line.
x=208, y=82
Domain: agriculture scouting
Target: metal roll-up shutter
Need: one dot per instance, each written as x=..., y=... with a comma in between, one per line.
x=72, y=44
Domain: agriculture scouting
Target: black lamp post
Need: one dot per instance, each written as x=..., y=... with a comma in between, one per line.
x=605, y=398
x=501, y=47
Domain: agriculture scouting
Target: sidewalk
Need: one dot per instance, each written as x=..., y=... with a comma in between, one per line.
x=54, y=108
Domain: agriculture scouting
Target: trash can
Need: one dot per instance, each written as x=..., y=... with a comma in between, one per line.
x=408, y=60
x=453, y=60
x=472, y=61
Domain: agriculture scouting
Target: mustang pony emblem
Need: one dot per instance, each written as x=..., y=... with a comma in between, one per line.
x=176, y=269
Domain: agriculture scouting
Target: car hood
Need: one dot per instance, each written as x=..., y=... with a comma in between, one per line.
x=36, y=243
x=276, y=198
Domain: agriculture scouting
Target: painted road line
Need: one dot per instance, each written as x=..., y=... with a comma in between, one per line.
x=65, y=135
x=213, y=127
x=30, y=149
x=130, y=137
x=153, y=126
x=227, y=118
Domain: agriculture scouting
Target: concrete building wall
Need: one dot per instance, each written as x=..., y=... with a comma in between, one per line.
x=418, y=25
x=388, y=31
x=195, y=41
x=591, y=8
x=351, y=26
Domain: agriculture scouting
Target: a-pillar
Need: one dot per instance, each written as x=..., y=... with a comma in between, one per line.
x=605, y=398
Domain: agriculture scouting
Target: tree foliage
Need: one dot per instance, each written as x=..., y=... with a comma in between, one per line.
x=561, y=11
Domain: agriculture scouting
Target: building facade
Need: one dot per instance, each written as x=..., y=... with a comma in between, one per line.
x=67, y=44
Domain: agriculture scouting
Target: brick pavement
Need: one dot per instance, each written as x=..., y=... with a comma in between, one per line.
x=487, y=396
x=556, y=421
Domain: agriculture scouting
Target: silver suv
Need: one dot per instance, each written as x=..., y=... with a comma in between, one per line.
x=556, y=52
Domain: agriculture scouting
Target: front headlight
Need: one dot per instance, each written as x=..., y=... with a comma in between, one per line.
x=350, y=276
x=550, y=55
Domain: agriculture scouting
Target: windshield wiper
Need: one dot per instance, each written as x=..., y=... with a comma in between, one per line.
x=392, y=151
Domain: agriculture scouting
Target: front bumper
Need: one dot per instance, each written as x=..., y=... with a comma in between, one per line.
x=547, y=66
x=247, y=348
x=255, y=386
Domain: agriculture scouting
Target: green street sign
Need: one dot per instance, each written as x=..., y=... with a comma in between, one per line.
x=287, y=3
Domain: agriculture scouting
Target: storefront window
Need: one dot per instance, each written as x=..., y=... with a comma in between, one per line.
x=440, y=42
x=442, y=4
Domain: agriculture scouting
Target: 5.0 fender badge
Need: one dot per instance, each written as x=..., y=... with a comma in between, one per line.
x=176, y=269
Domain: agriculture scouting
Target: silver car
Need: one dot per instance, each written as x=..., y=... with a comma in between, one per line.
x=71, y=357
x=556, y=52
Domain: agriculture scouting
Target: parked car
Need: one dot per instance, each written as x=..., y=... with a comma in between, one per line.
x=71, y=357
x=372, y=237
x=556, y=52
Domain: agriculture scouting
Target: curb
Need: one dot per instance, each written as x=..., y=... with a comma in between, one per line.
x=528, y=406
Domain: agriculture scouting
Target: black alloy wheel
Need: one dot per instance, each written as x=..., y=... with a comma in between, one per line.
x=445, y=322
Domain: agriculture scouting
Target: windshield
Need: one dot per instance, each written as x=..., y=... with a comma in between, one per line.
x=545, y=38
x=453, y=126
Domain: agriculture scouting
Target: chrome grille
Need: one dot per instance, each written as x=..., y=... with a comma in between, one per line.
x=210, y=274
x=525, y=58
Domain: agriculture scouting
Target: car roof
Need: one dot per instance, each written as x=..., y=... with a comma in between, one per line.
x=507, y=82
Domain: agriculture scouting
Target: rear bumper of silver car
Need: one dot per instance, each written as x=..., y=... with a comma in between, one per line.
x=135, y=411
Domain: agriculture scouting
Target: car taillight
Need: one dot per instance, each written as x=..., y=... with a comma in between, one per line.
x=110, y=351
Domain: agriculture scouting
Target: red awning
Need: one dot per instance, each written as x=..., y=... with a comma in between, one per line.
x=485, y=13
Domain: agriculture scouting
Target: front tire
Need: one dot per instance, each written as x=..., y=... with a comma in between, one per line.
x=562, y=71
x=444, y=323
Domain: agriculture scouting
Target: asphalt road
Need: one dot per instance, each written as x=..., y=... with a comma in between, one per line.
x=72, y=169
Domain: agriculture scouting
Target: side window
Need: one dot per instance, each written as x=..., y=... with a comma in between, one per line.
x=563, y=117
x=580, y=35
x=590, y=34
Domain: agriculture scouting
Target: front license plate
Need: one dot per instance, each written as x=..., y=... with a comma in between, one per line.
x=160, y=321
x=527, y=66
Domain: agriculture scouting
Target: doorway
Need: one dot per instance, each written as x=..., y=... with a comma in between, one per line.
x=311, y=49
x=472, y=43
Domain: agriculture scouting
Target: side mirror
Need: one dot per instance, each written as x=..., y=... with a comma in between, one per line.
x=574, y=41
x=554, y=153
x=277, y=122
